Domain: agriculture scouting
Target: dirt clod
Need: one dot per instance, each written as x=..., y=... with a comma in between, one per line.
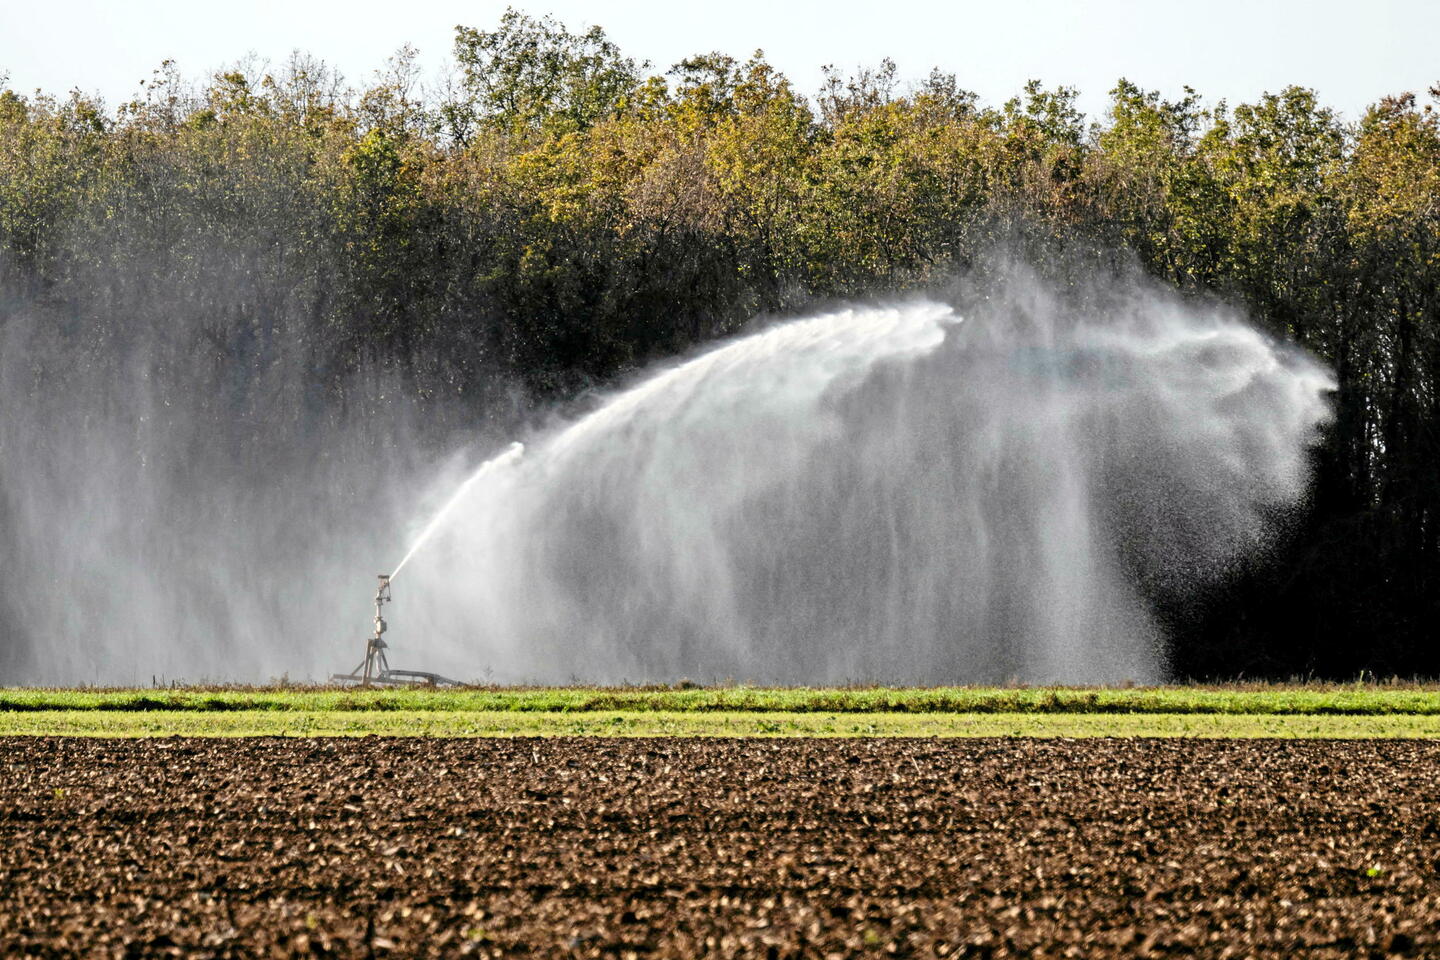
x=681, y=848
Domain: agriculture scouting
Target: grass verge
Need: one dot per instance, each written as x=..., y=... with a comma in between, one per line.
x=505, y=723
x=1277, y=700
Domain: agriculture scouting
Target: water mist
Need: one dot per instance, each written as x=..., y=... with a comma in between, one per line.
x=905, y=493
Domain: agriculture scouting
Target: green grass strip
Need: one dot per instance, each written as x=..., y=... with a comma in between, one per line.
x=1279, y=700
x=510, y=723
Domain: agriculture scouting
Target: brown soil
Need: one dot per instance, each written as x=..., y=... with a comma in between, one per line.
x=681, y=848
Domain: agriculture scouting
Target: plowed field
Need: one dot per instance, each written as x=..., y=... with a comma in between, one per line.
x=687, y=847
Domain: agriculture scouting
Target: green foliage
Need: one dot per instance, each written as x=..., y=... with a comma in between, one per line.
x=557, y=220
x=535, y=76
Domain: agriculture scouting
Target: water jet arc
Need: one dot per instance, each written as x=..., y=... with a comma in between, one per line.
x=885, y=494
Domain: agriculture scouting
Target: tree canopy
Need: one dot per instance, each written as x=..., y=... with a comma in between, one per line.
x=557, y=217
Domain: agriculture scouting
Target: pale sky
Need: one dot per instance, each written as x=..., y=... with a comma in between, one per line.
x=1350, y=52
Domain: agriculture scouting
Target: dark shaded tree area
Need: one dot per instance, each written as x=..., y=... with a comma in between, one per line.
x=556, y=218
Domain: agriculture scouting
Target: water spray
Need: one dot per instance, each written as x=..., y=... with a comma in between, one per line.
x=512, y=453
x=890, y=493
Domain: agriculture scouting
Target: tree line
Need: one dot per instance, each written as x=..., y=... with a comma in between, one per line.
x=557, y=214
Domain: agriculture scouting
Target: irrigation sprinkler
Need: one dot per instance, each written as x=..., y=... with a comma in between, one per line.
x=375, y=669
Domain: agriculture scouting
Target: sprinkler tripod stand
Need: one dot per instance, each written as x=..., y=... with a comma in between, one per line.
x=375, y=670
